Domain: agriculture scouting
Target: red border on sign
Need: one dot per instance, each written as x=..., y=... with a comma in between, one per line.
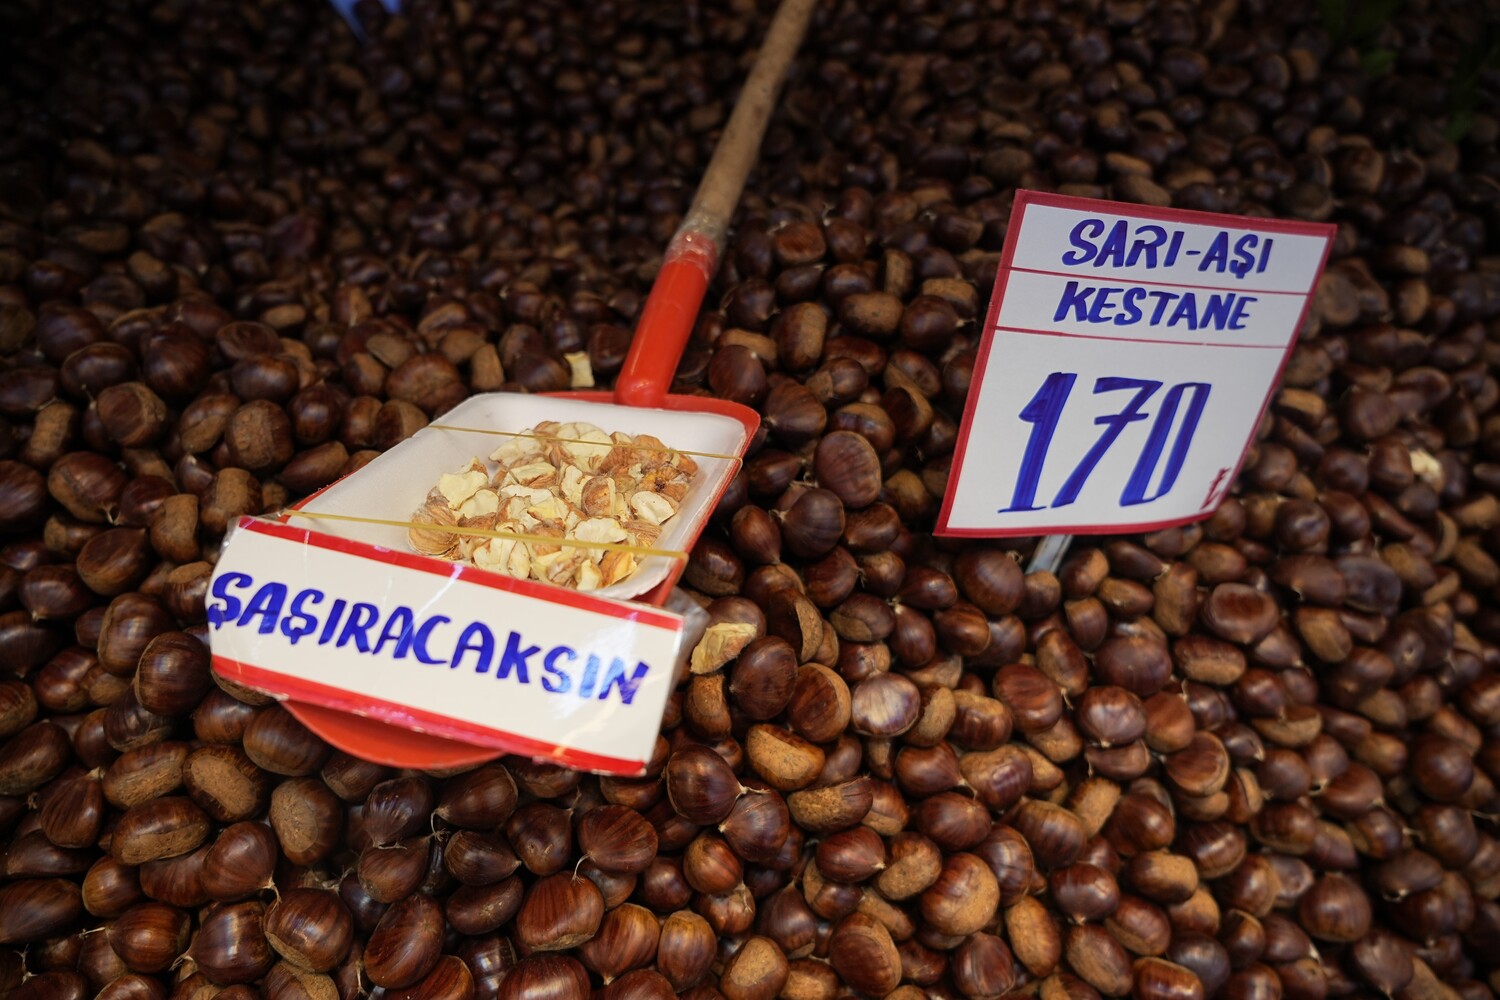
x=1174, y=284
x=1027, y=331
x=301, y=689
x=1023, y=200
x=641, y=615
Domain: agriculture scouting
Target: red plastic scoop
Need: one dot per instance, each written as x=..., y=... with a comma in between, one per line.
x=666, y=323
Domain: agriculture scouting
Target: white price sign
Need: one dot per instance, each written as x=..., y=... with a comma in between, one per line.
x=1127, y=358
x=442, y=648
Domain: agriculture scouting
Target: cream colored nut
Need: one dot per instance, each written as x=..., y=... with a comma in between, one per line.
x=562, y=481
x=642, y=533
x=491, y=553
x=515, y=450
x=657, y=479
x=588, y=576
x=618, y=459
x=565, y=569
x=545, y=529
x=572, y=482
x=1427, y=468
x=582, y=371
x=503, y=555
x=468, y=543
x=519, y=563
x=720, y=644
x=588, y=448
x=651, y=507
x=552, y=567
x=531, y=496
x=537, y=475
x=650, y=452
x=483, y=502
x=456, y=487
x=616, y=566
x=550, y=509
x=428, y=541
x=599, y=529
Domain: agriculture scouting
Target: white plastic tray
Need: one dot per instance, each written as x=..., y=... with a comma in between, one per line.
x=394, y=485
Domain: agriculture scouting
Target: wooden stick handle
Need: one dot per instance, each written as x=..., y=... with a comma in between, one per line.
x=693, y=255
x=739, y=145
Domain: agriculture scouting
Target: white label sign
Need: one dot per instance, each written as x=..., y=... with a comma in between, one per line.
x=442, y=648
x=1127, y=358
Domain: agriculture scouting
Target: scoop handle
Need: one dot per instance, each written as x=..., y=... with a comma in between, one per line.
x=692, y=256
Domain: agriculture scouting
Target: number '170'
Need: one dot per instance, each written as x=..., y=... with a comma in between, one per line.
x=1046, y=409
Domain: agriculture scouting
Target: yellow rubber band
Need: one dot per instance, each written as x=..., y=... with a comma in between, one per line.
x=595, y=444
x=562, y=543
